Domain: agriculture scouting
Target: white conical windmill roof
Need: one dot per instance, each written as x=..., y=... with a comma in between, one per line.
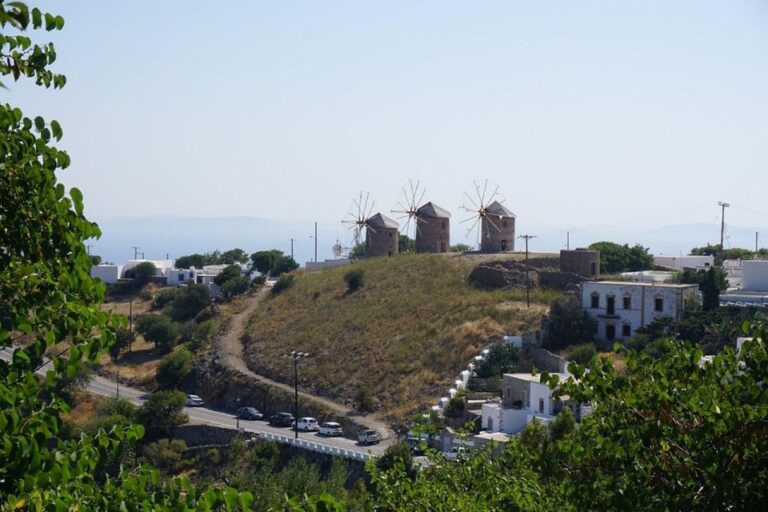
x=380, y=221
x=431, y=210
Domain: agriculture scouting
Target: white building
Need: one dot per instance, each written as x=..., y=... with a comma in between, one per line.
x=681, y=262
x=621, y=308
x=108, y=273
x=754, y=275
x=180, y=276
x=524, y=397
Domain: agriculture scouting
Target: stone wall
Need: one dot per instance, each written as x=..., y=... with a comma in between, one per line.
x=581, y=261
x=433, y=235
x=511, y=274
x=383, y=242
x=498, y=237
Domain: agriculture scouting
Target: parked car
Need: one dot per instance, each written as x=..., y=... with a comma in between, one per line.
x=194, y=401
x=249, y=413
x=457, y=453
x=330, y=428
x=281, y=419
x=307, y=424
x=368, y=437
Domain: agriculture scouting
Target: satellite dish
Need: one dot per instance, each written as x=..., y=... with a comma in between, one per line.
x=337, y=249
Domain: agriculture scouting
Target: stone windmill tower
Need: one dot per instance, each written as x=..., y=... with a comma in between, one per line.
x=431, y=222
x=381, y=236
x=496, y=223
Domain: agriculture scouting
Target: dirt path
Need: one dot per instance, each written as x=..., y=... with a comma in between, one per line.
x=229, y=349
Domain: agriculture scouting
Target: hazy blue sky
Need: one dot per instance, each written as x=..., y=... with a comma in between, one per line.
x=586, y=113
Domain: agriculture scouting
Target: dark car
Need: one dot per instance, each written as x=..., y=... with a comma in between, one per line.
x=281, y=419
x=249, y=413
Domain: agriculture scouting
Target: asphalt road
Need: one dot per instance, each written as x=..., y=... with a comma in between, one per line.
x=204, y=416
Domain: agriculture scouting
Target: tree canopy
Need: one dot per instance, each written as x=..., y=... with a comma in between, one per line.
x=616, y=258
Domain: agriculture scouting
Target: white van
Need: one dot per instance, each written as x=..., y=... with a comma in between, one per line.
x=308, y=425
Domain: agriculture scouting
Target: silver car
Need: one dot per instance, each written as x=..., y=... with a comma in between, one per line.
x=330, y=428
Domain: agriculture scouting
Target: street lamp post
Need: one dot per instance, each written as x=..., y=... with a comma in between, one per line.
x=296, y=356
x=237, y=412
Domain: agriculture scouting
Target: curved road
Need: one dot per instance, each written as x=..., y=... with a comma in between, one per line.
x=200, y=415
x=229, y=347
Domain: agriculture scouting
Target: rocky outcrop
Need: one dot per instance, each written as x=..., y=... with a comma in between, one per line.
x=511, y=274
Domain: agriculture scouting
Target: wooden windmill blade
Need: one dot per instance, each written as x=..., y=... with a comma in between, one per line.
x=408, y=206
x=479, y=201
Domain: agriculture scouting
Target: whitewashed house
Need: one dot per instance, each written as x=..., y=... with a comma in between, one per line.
x=180, y=276
x=108, y=273
x=621, y=308
x=524, y=397
x=696, y=262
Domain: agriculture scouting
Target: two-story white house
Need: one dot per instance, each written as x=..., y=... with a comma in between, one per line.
x=621, y=308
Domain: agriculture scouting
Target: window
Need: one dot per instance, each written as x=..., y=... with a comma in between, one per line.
x=541, y=405
x=390, y=234
x=610, y=332
x=627, y=302
x=658, y=304
x=181, y=277
x=595, y=300
x=593, y=268
x=444, y=224
x=626, y=330
x=610, y=305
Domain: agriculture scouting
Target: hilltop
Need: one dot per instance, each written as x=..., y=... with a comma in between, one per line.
x=394, y=345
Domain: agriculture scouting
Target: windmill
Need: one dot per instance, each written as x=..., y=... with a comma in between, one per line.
x=408, y=206
x=357, y=217
x=494, y=223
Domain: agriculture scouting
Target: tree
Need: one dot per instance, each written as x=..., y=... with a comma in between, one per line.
x=158, y=329
x=228, y=273
x=235, y=286
x=143, y=273
x=568, y=324
x=47, y=296
x=283, y=264
x=189, y=261
x=710, y=291
x=615, y=258
x=501, y=358
x=357, y=251
x=461, y=248
x=354, y=279
x=264, y=261
x=405, y=244
x=173, y=368
x=236, y=255
x=188, y=302
x=163, y=411
x=95, y=259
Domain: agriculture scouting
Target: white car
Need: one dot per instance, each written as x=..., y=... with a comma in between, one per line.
x=194, y=401
x=307, y=424
x=330, y=428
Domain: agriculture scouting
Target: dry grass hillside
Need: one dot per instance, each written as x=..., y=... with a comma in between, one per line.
x=394, y=345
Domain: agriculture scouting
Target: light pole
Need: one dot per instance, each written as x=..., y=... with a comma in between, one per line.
x=723, y=206
x=296, y=356
x=237, y=412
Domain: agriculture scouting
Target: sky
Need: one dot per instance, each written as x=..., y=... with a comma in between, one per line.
x=586, y=115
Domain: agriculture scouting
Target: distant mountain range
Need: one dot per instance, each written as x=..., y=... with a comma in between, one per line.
x=174, y=236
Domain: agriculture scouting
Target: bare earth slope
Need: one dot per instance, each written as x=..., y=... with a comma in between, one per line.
x=394, y=345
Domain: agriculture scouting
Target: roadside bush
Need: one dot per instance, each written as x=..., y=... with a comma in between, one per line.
x=282, y=284
x=354, y=279
x=284, y=264
x=259, y=281
x=229, y=272
x=145, y=295
x=395, y=454
x=365, y=399
x=110, y=413
x=235, y=286
x=162, y=412
x=173, y=368
x=167, y=454
x=158, y=329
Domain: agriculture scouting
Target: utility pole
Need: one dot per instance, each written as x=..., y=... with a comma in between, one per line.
x=756, y=235
x=315, y=242
x=291, y=248
x=527, y=271
x=722, y=223
x=296, y=356
x=568, y=240
x=88, y=249
x=135, y=251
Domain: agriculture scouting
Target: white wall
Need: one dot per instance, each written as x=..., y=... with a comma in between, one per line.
x=681, y=262
x=178, y=277
x=541, y=391
x=109, y=274
x=513, y=420
x=754, y=275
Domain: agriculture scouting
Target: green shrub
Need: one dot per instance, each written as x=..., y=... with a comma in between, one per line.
x=354, y=279
x=455, y=407
x=282, y=284
x=158, y=329
x=235, y=286
x=501, y=358
x=145, y=295
x=166, y=454
x=189, y=301
x=173, y=368
x=163, y=298
x=582, y=354
x=161, y=412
